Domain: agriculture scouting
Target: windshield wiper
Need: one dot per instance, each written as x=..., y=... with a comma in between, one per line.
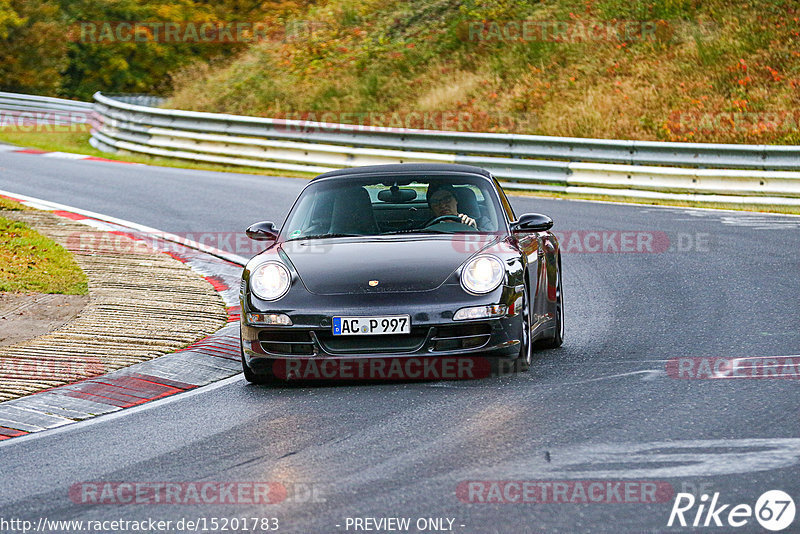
x=322, y=236
x=406, y=231
x=417, y=231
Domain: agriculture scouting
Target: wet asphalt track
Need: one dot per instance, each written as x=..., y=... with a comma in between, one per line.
x=601, y=407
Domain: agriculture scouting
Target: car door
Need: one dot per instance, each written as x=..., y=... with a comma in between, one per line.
x=529, y=246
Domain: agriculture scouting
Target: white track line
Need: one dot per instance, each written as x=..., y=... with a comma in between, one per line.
x=123, y=412
x=53, y=206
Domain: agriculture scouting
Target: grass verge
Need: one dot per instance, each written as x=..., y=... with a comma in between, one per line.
x=9, y=205
x=31, y=262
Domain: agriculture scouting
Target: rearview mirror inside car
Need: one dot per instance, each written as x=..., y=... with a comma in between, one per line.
x=396, y=195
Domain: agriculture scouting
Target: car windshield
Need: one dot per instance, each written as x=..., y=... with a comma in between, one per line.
x=377, y=205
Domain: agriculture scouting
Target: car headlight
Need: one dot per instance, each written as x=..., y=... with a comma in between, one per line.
x=270, y=280
x=482, y=274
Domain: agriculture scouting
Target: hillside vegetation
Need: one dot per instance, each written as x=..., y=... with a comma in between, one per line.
x=678, y=70
x=47, y=46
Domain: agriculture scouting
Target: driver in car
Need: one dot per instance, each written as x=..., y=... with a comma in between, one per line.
x=442, y=201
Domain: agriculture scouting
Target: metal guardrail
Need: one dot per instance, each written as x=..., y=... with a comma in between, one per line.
x=765, y=174
x=519, y=161
x=515, y=146
x=33, y=108
x=152, y=101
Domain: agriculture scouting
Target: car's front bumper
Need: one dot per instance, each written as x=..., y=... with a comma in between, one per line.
x=454, y=349
x=434, y=332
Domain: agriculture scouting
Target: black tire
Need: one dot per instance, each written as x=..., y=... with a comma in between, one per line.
x=508, y=365
x=250, y=376
x=557, y=338
x=526, y=349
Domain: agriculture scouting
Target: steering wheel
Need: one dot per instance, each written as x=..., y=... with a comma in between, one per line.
x=442, y=218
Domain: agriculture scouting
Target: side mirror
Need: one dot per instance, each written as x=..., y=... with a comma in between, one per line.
x=263, y=231
x=532, y=222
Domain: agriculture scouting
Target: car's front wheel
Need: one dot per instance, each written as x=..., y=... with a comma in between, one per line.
x=526, y=347
x=251, y=376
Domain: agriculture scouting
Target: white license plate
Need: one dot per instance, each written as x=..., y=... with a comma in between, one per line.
x=370, y=326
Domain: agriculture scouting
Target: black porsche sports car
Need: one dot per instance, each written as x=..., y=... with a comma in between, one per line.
x=422, y=268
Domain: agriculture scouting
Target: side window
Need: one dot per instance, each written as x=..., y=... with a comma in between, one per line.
x=490, y=216
x=373, y=190
x=504, y=201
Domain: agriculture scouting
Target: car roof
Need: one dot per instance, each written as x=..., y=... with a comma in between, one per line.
x=405, y=168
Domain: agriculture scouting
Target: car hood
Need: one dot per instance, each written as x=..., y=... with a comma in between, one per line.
x=347, y=265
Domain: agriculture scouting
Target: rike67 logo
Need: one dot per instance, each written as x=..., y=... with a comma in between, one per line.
x=774, y=511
